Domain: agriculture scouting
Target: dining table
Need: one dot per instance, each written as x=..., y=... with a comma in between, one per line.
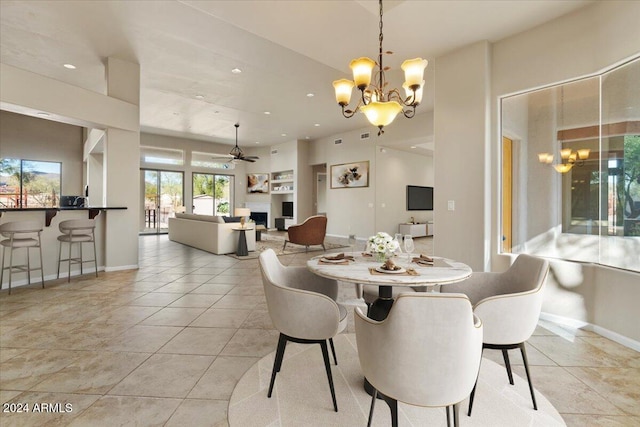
x=415, y=271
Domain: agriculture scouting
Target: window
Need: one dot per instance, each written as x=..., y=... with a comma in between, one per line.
x=211, y=160
x=164, y=156
x=575, y=169
x=212, y=194
x=29, y=183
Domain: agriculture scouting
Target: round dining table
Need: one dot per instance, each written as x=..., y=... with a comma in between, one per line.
x=359, y=268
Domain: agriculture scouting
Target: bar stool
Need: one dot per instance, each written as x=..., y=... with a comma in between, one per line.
x=77, y=231
x=20, y=234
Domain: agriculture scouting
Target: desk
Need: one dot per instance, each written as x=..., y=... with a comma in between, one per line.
x=443, y=271
x=242, y=249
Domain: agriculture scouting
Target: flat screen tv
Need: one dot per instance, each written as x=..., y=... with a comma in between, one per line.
x=287, y=209
x=419, y=198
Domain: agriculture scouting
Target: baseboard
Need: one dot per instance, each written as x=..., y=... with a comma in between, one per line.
x=122, y=267
x=580, y=324
x=35, y=279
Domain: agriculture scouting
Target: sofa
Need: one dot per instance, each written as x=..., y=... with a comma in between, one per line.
x=209, y=233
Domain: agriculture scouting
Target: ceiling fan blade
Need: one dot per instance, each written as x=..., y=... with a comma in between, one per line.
x=248, y=159
x=252, y=157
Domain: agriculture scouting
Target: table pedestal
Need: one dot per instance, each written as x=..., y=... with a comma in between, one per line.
x=242, y=249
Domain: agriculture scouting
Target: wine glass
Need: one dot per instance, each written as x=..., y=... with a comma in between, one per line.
x=398, y=239
x=352, y=242
x=409, y=247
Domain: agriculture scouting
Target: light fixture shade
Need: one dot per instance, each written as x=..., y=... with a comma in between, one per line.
x=242, y=211
x=409, y=93
x=543, y=157
x=565, y=153
x=583, y=153
x=414, y=71
x=343, y=89
x=362, y=68
x=563, y=167
x=381, y=113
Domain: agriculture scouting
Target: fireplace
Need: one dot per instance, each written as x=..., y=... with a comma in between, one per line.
x=260, y=218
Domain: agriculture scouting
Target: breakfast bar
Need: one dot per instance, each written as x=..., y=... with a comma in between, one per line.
x=50, y=218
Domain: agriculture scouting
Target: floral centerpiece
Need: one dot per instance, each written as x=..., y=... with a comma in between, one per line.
x=382, y=245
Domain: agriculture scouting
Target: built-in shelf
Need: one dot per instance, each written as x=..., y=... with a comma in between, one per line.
x=282, y=182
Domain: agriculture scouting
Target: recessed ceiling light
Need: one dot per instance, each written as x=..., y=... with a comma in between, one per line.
x=236, y=71
x=266, y=113
x=69, y=66
x=199, y=96
x=317, y=124
x=284, y=134
x=257, y=142
x=43, y=114
x=307, y=137
x=311, y=95
x=413, y=146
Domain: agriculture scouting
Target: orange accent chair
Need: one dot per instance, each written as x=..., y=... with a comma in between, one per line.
x=310, y=232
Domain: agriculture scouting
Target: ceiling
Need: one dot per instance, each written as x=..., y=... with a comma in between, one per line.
x=285, y=50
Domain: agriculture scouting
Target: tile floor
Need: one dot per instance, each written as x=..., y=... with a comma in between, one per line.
x=166, y=345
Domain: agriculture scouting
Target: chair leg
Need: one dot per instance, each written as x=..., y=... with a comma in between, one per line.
x=59, y=257
x=473, y=391
x=41, y=264
x=2, y=268
x=28, y=267
x=333, y=350
x=327, y=365
x=81, y=272
x=507, y=365
x=323, y=248
x=10, y=268
x=526, y=368
x=448, y=417
x=69, y=276
x=374, y=397
x=393, y=406
x=284, y=246
x=95, y=257
x=277, y=362
x=455, y=415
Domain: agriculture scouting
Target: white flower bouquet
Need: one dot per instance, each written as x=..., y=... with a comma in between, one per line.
x=382, y=245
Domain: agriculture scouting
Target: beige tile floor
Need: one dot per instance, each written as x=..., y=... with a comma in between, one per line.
x=166, y=345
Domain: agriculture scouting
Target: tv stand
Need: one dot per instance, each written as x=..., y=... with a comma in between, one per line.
x=283, y=223
x=416, y=230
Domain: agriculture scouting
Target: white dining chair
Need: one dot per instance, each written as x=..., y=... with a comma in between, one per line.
x=509, y=305
x=425, y=353
x=303, y=308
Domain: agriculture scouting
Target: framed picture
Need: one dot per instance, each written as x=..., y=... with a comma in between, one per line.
x=350, y=175
x=257, y=183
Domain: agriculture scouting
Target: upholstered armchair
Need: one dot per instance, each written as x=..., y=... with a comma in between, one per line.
x=310, y=232
x=509, y=305
x=425, y=353
x=303, y=309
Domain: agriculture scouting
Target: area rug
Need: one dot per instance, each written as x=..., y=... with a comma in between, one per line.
x=301, y=395
x=276, y=243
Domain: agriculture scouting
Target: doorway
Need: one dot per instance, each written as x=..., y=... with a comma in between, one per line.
x=162, y=197
x=507, y=185
x=321, y=193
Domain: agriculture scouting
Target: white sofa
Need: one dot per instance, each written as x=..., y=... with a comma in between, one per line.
x=209, y=233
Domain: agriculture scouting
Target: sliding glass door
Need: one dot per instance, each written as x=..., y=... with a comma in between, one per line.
x=212, y=194
x=163, y=196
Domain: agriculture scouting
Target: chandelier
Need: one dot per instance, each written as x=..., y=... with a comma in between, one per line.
x=381, y=107
x=568, y=158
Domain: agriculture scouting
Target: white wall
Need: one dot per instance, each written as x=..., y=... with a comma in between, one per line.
x=31, y=138
x=575, y=45
x=359, y=211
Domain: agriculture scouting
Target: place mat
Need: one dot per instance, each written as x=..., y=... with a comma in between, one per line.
x=412, y=272
x=345, y=262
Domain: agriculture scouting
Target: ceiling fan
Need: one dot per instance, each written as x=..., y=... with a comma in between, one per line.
x=237, y=153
